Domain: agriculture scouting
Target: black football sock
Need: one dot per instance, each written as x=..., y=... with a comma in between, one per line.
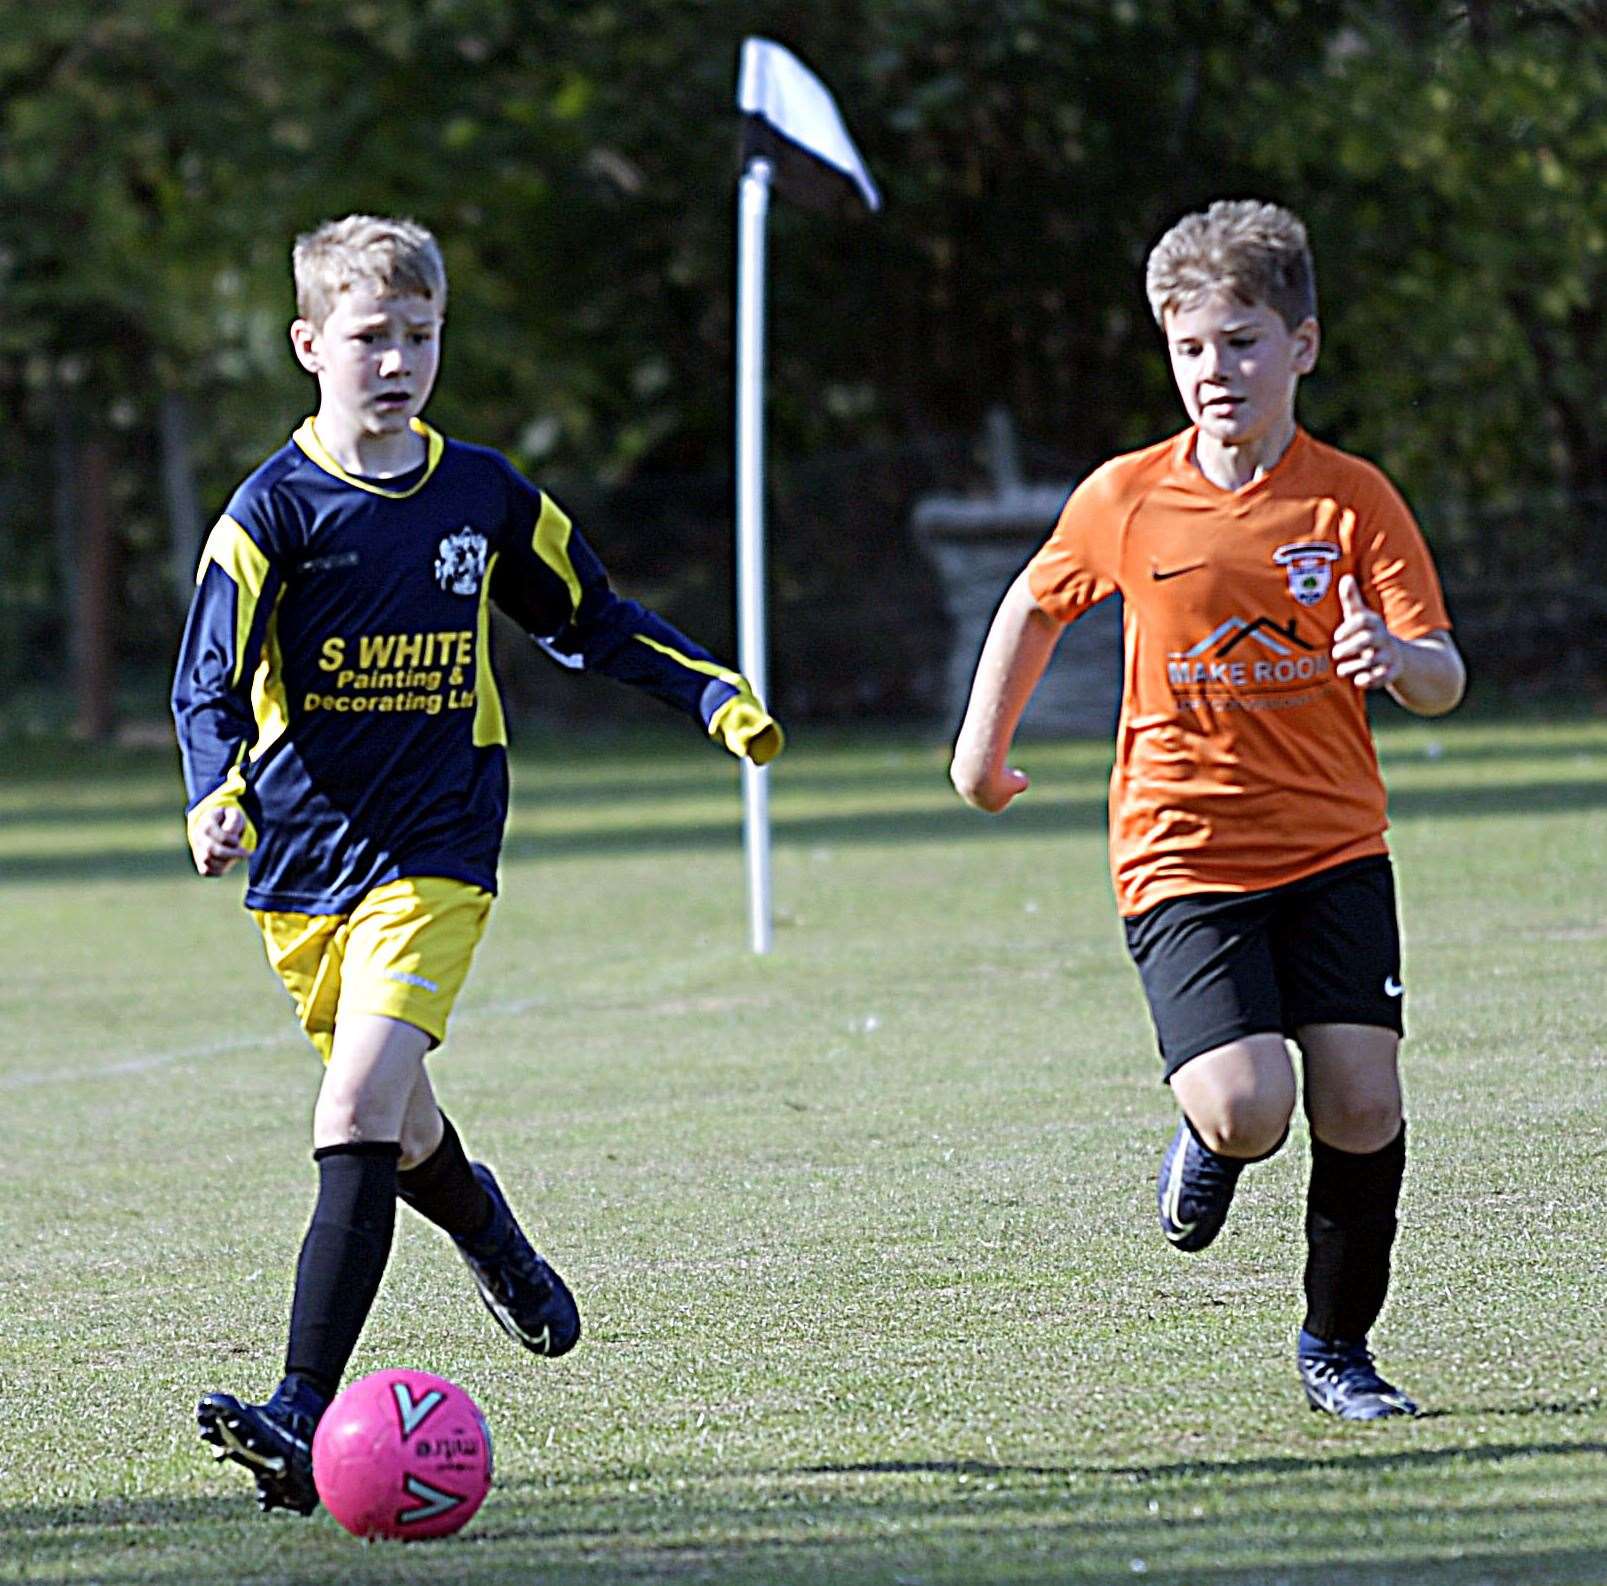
x=1350, y=1227
x=342, y=1259
x=443, y=1189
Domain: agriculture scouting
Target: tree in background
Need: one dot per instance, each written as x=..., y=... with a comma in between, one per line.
x=578, y=160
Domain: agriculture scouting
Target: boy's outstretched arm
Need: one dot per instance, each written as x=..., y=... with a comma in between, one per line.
x=1019, y=643
x=1425, y=675
x=557, y=590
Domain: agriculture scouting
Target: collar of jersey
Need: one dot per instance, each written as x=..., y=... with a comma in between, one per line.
x=307, y=439
x=1188, y=471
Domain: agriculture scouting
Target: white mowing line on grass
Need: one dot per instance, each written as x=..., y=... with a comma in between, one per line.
x=145, y=1064
x=152, y=1062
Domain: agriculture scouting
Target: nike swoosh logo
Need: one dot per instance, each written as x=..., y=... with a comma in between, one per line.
x=1174, y=1197
x=1174, y=572
x=1392, y=987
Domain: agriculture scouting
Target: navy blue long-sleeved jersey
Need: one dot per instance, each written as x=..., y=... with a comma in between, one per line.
x=336, y=681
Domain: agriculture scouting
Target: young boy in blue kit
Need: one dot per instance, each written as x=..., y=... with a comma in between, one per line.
x=341, y=731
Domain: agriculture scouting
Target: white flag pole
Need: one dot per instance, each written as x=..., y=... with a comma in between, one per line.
x=753, y=203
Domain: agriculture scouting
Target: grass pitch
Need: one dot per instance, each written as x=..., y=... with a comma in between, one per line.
x=863, y=1232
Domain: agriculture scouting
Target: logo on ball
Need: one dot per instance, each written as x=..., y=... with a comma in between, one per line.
x=404, y=1455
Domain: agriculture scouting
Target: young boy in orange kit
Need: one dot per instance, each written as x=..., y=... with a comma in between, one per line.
x=1269, y=582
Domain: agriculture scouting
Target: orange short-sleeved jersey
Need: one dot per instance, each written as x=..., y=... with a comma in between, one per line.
x=1242, y=760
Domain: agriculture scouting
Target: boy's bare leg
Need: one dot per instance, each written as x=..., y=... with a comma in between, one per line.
x=529, y=1300
x=1237, y=1100
x=1353, y=1085
x=1239, y=1097
x=374, y=1069
x=423, y=1124
x=1358, y=1157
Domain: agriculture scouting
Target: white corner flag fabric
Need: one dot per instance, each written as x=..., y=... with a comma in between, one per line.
x=790, y=119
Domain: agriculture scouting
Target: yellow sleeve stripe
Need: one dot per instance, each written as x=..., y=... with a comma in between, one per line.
x=236, y=553
x=230, y=548
x=551, y=543
x=708, y=668
x=269, y=703
x=489, y=726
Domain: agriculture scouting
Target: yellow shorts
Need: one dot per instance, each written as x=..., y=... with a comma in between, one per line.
x=403, y=952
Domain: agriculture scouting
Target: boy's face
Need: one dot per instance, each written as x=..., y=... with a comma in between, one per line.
x=1237, y=366
x=375, y=357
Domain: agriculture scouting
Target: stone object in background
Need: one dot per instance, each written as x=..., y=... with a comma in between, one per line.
x=978, y=545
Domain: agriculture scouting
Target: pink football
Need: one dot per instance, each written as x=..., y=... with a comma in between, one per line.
x=404, y=1455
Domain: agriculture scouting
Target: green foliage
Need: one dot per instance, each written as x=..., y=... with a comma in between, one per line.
x=1458, y=216
x=577, y=159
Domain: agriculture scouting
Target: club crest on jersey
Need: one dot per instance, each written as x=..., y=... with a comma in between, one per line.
x=461, y=564
x=1310, y=565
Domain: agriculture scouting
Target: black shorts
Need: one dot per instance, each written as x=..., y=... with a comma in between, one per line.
x=1218, y=966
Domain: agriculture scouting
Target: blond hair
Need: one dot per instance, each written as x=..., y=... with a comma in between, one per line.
x=1256, y=251
x=396, y=257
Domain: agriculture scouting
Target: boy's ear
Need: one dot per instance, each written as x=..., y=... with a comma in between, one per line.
x=1308, y=342
x=304, y=342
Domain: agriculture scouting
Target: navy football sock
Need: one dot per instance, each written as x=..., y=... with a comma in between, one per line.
x=1350, y=1228
x=444, y=1189
x=342, y=1259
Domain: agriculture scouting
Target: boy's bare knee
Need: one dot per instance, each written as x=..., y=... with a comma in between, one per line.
x=344, y=1120
x=1247, y=1128
x=1360, y=1124
x=418, y=1143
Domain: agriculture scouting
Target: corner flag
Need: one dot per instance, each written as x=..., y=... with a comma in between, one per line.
x=790, y=119
x=792, y=136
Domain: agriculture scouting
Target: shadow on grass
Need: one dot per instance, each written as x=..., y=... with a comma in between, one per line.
x=1372, y=1460
x=940, y=823
x=574, y=782
x=1585, y=746
x=1527, y=798
x=108, y=1514
x=569, y=778
x=976, y=1522
x=106, y=805
x=892, y=826
x=98, y=864
x=1006, y=1537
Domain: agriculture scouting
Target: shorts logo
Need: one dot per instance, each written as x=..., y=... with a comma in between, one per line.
x=408, y=979
x=1392, y=987
x=1310, y=565
x=461, y=564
